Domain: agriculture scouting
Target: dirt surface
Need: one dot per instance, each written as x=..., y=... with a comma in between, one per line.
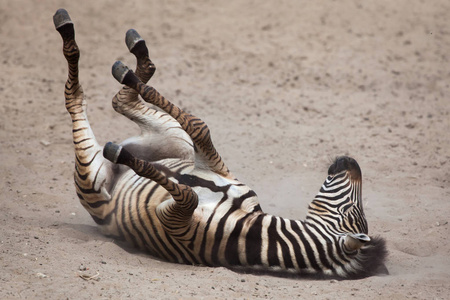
x=284, y=86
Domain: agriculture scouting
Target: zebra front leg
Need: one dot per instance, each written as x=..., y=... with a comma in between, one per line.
x=194, y=127
x=92, y=172
x=175, y=215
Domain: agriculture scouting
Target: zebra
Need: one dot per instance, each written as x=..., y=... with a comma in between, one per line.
x=169, y=192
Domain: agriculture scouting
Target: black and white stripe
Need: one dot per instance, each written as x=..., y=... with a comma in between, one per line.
x=169, y=192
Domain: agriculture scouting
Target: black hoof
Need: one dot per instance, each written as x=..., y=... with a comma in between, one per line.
x=132, y=38
x=124, y=75
x=61, y=18
x=136, y=44
x=112, y=151
x=119, y=71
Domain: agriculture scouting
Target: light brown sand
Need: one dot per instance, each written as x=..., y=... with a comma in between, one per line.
x=284, y=86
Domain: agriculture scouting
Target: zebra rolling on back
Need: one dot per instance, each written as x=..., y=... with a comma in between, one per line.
x=168, y=191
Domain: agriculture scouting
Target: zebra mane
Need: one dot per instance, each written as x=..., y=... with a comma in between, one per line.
x=371, y=259
x=370, y=262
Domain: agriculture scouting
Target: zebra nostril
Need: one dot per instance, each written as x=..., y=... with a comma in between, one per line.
x=339, y=165
x=345, y=163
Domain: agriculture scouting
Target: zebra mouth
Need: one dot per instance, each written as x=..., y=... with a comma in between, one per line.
x=345, y=163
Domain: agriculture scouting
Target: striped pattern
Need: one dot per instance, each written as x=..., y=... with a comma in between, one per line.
x=195, y=127
x=338, y=205
x=92, y=171
x=168, y=191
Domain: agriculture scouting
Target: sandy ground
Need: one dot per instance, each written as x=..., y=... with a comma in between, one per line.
x=284, y=86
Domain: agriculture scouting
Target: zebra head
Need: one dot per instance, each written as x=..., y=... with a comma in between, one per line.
x=338, y=207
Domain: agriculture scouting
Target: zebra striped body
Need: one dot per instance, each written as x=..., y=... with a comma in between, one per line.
x=168, y=191
x=230, y=229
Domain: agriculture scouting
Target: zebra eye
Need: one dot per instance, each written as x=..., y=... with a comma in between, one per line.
x=345, y=208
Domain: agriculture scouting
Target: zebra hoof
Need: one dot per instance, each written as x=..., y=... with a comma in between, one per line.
x=119, y=71
x=132, y=39
x=61, y=18
x=112, y=151
x=124, y=75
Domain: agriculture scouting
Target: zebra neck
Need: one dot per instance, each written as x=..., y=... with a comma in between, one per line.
x=278, y=243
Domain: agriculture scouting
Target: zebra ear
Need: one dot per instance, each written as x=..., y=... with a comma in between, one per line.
x=354, y=241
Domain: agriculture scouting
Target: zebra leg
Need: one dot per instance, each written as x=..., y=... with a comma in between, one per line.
x=93, y=174
x=150, y=145
x=126, y=101
x=174, y=214
x=194, y=127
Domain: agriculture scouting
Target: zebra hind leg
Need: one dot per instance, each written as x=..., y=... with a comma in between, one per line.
x=93, y=173
x=196, y=129
x=161, y=135
x=174, y=214
x=126, y=100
